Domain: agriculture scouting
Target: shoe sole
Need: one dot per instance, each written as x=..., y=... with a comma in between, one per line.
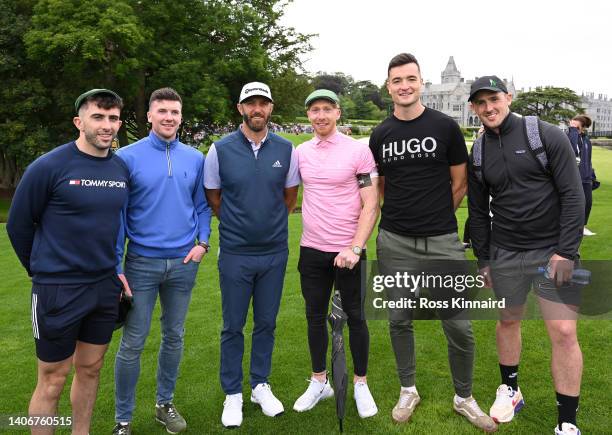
x=231, y=426
x=481, y=428
x=168, y=430
x=262, y=410
x=315, y=403
x=561, y=433
x=517, y=408
x=369, y=414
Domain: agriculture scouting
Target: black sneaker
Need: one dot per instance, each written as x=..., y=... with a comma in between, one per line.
x=167, y=415
x=122, y=429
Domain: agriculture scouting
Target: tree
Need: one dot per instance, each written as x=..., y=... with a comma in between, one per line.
x=83, y=45
x=53, y=50
x=348, y=108
x=289, y=91
x=366, y=97
x=369, y=92
x=24, y=96
x=551, y=104
x=339, y=83
x=359, y=100
x=385, y=98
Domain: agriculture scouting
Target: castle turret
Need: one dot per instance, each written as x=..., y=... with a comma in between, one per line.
x=451, y=74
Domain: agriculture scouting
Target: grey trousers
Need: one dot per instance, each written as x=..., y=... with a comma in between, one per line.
x=393, y=252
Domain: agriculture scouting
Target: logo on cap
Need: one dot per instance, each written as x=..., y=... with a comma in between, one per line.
x=493, y=82
x=248, y=91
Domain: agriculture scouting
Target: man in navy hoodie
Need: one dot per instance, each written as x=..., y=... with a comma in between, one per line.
x=63, y=225
x=167, y=222
x=251, y=183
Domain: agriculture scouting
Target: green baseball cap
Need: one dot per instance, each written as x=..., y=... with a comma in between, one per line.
x=322, y=94
x=82, y=97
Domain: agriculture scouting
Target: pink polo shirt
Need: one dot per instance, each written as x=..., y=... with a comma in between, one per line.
x=331, y=203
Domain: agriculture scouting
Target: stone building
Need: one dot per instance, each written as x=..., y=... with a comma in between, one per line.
x=451, y=95
x=600, y=111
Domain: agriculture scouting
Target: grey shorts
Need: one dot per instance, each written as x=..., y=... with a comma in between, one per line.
x=514, y=273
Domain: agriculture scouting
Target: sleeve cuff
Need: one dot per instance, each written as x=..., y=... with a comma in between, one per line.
x=483, y=263
x=566, y=256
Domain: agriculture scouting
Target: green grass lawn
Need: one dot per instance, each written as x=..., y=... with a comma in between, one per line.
x=200, y=399
x=4, y=208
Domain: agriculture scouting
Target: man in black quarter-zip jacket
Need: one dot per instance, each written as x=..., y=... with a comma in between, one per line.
x=537, y=217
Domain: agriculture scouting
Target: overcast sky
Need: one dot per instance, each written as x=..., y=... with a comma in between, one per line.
x=558, y=43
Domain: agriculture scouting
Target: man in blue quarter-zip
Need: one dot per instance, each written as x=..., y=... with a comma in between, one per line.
x=63, y=225
x=251, y=181
x=167, y=222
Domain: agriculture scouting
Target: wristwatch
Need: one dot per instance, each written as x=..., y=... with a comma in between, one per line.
x=204, y=245
x=356, y=250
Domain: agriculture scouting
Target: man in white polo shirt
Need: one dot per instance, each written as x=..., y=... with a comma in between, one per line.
x=339, y=210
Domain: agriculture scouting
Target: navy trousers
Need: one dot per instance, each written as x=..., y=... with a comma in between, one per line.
x=242, y=277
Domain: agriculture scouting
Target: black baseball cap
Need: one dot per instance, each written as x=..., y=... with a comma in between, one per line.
x=90, y=93
x=487, y=83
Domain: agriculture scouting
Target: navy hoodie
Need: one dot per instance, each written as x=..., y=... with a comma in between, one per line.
x=64, y=218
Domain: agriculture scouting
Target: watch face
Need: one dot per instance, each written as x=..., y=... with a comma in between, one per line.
x=356, y=250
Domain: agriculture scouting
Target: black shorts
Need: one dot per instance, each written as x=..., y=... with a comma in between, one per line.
x=65, y=313
x=514, y=273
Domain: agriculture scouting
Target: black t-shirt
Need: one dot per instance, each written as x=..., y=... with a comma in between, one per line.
x=414, y=157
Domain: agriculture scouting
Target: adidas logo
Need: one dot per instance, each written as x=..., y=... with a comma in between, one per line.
x=277, y=164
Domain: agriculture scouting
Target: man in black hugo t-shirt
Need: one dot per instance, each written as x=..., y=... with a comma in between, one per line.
x=63, y=225
x=421, y=157
x=536, y=220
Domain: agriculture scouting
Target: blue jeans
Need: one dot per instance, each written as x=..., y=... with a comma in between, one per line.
x=147, y=277
x=242, y=277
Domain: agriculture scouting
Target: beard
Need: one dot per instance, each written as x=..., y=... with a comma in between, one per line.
x=92, y=138
x=259, y=126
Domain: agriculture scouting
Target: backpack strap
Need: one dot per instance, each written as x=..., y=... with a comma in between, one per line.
x=536, y=146
x=477, y=157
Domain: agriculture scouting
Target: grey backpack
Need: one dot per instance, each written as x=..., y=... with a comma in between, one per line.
x=536, y=146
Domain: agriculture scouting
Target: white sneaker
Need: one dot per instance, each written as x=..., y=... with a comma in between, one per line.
x=270, y=405
x=232, y=410
x=507, y=403
x=587, y=232
x=364, y=400
x=567, y=429
x=316, y=391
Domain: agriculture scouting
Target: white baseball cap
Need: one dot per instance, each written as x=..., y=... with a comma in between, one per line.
x=255, y=88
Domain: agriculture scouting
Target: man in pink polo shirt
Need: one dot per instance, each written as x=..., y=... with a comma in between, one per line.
x=339, y=210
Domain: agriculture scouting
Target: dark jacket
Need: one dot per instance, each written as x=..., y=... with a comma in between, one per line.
x=531, y=208
x=583, y=150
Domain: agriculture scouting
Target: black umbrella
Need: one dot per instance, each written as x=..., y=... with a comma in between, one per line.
x=337, y=319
